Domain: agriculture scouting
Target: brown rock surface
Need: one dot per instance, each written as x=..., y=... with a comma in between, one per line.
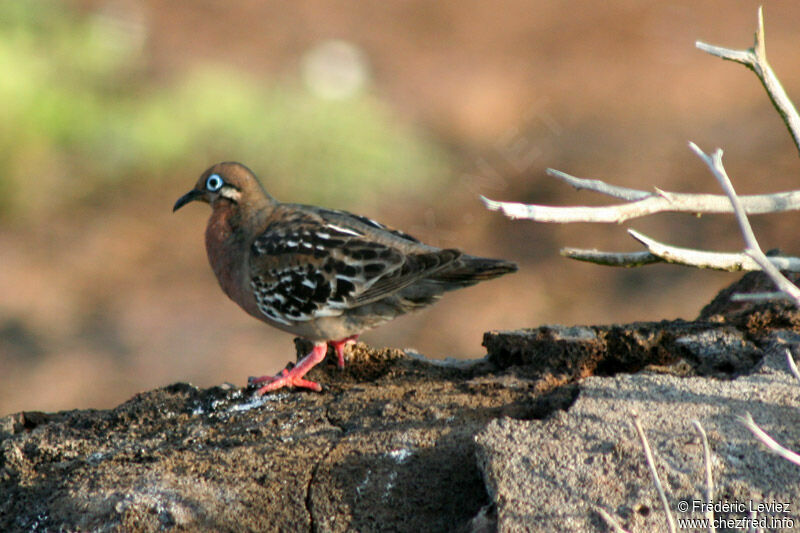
x=390, y=443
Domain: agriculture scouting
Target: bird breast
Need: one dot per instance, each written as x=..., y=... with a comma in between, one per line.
x=227, y=248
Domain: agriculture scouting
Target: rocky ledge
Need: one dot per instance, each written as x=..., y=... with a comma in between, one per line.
x=534, y=437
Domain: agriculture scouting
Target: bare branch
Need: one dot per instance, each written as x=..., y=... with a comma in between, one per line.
x=768, y=441
x=644, y=203
x=733, y=262
x=623, y=193
x=641, y=204
x=755, y=59
x=755, y=204
x=652, y=466
x=709, y=477
x=618, y=259
x=658, y=252
x=714, y=163
x=567, y=214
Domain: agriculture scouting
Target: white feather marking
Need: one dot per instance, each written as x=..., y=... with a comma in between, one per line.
x=322, y=235
x=291, y=244
x=328, y=311
x=343, y=230
x=230, y=193
x=275, y=316
x=308, y=283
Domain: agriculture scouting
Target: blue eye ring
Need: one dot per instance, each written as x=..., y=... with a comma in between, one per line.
x=214, y=183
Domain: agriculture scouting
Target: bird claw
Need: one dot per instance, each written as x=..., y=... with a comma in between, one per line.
x=293, y=376
x=284, y=379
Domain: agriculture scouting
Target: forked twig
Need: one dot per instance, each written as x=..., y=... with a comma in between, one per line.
x=755, y=59
x=752, y=248
x=643, y=203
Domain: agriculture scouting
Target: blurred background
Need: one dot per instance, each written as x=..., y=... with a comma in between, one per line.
x=401, y=111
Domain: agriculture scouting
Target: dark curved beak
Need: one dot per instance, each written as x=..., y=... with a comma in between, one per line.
x=190, y=196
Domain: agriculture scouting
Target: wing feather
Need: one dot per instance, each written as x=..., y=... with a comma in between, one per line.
x=310, y=263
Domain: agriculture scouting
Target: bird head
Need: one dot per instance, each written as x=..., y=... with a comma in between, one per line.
x=225, y=182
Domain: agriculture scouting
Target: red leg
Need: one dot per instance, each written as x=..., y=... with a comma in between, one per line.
x=339, y=347
x=294, y=377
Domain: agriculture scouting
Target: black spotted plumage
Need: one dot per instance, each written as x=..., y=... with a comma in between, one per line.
x=322, y=274
x=320, y=263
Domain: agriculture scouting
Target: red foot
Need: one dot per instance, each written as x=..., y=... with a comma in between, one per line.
x=339, y=347
x=294, y=377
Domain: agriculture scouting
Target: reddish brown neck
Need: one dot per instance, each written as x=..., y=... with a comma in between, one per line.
x=228, y=239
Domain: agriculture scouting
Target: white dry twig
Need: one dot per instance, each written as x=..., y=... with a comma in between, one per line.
x=709, y=477
x=643, y=203
x=759, y=296
x=714, y=163
x=648, y=454
x=618, y=259
x=752, y=249
x=640, y=204
x=792, y=365
x=733, y=262
x=658, y=252
x=755, y=59
x=768, y=441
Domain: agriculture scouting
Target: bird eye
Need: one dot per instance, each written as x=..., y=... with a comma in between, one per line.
x=214, y=183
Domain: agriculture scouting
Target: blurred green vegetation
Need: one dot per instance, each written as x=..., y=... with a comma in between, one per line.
x=82, y=115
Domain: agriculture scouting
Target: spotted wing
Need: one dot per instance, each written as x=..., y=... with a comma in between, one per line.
x=372, y=223
x=314, y=263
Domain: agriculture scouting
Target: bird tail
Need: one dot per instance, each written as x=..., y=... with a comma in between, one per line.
x=469, y=270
